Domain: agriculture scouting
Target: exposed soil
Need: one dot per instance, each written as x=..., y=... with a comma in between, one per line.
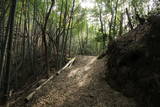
x=133, y=63
x=82, y=85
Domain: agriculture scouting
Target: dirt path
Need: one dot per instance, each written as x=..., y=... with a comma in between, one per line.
x=82, y=85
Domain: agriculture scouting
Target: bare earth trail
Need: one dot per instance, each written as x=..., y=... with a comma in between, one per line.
x=82, y=85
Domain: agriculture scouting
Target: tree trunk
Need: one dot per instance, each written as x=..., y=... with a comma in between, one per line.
x=9, y=47
x=102, y=28
x=110, y=38
x=129, y=19
x=44, y=37
x=121, y=25
x=115, y=19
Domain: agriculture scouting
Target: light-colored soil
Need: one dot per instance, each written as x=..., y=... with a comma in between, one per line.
x=82, y=85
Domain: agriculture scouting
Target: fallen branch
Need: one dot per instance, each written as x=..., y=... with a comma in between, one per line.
x=69, y=64
x=30, y=96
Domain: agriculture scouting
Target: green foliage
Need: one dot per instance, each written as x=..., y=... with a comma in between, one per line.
x=100, y=37
x=154, y=11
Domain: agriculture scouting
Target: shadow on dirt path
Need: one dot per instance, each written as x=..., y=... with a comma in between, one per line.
x=82, y=85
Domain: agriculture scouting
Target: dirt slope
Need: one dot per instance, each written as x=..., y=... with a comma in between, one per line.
x=133, y=65
x=82, y=85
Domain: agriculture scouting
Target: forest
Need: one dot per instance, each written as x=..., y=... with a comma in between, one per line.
x=107, y=45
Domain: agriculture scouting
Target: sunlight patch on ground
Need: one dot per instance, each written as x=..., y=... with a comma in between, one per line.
x=82, y=74
x=78, y=71
x=73, y=72
x=92, y=61
x=84, y=81
x=87, y=68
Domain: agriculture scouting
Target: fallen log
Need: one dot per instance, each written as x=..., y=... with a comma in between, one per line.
x=69, y=64
x=30, y=96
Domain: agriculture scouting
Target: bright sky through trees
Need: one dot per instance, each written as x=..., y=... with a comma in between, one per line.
x=87, y=4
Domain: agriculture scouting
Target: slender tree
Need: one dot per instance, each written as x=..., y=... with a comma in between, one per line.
x=8, y=50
